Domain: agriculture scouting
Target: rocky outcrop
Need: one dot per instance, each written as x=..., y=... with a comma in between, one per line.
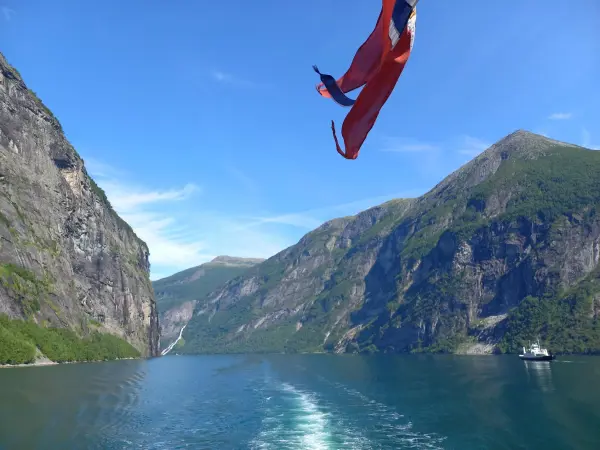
x=66, y=258
x=449, y=271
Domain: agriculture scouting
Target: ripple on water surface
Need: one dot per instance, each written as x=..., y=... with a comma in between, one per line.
x=302, y=402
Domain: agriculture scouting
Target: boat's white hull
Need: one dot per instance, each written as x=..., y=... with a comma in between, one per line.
x=536, y=353
x=537, y=357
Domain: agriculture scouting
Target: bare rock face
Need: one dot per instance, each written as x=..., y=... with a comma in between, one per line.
x=77, y=262
x=504, y=249
x=173, y=320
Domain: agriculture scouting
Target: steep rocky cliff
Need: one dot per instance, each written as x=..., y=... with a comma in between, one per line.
x=66, y=258
x=504, y=249
x=177, y=295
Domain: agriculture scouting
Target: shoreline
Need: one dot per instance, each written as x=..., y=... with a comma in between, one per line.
x=47, y=362
x=33, y=364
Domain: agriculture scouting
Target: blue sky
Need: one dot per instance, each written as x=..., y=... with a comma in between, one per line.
x=201, y=122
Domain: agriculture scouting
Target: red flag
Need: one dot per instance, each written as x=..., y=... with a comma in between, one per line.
x=377, y=65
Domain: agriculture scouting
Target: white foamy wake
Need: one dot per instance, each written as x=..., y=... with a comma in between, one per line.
x=310, y=423
x=295, y=423
x=296, y=419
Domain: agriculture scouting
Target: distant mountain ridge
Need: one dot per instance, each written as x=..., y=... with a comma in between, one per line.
x=236, y=261
x=176, y=295
x=502, y=250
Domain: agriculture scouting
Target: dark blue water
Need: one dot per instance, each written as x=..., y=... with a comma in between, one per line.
x=304, y=402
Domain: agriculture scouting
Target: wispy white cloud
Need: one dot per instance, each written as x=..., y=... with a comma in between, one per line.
x=171, y=247
x=560, y=116
x=227, y=78
x=406, y=145
x=181, y=234
x=435, y=159
x=243, y=178
x=313, y=218
x=585, y=137
x=472, y=146
x=465, y=145
x=300, y=220
x=127, y=198
x=586, y=140
x=7, y=12
x=99, y=169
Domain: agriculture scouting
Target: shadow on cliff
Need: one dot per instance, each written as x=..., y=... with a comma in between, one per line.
x=416, y=302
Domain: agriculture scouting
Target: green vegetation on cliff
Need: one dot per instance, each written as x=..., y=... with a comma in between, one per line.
x=501, y=251
x=26, y=286
x=562, y=182
x=565, y=322
x=197, y=282
x=174, y=292
x=19, y=340
x=551, y=192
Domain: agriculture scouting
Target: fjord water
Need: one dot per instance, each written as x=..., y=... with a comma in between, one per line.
x=304, y=402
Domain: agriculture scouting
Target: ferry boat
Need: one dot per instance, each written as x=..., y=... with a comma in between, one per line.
x=536, y=353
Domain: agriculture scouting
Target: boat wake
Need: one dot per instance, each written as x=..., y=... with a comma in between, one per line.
x=293, y=421
x=294, y=418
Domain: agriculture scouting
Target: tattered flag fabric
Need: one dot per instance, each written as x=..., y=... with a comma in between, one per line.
x=377, y=65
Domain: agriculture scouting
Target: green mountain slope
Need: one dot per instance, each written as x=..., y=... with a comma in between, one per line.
x=504, y=249
x=177, y=294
